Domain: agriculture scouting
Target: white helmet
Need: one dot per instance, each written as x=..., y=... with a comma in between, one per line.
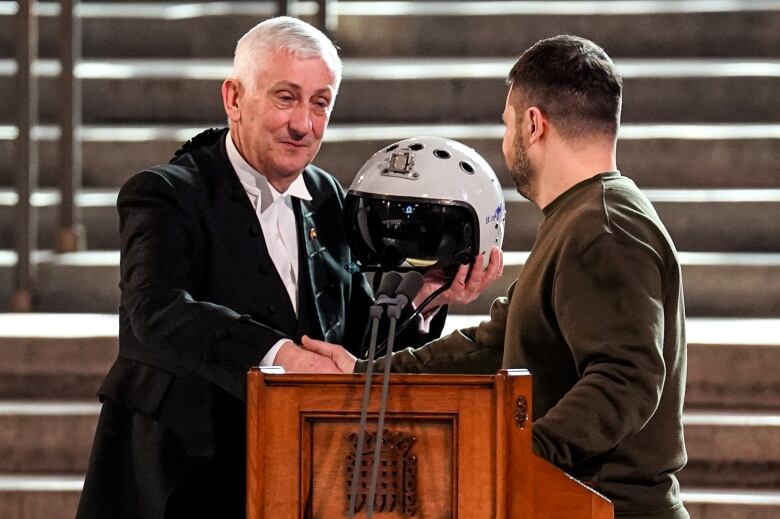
x=423, y=202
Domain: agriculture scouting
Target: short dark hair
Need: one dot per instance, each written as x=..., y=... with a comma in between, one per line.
x=573, y=82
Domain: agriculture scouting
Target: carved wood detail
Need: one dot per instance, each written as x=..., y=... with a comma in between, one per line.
x=521, y=412
x=397, y=481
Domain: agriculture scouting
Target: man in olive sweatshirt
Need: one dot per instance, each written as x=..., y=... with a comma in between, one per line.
x=596, y=313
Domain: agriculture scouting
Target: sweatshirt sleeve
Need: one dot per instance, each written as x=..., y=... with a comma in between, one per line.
x=609, y=305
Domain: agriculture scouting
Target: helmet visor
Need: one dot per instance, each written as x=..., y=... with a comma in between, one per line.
x=389, y=231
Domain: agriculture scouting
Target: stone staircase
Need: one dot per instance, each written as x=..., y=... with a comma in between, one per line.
x=701, y=135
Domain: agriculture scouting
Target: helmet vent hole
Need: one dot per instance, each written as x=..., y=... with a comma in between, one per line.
x=416, y=146
x=442, y=154
x=391, y=148
x=468, y=168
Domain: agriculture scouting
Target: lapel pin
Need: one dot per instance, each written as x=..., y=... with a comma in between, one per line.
x=312, y=233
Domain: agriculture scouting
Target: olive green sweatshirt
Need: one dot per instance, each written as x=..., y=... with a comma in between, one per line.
x=597, y=316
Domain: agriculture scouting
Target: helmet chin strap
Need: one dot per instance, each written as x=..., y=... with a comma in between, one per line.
x=464, y=257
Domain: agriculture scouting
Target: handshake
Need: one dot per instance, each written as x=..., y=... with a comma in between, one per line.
x=315, y=356
x=395, y=292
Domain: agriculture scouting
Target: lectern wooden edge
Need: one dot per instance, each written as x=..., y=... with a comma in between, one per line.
x=458, y=446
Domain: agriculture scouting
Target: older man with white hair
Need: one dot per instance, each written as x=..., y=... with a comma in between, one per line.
x=231, y=253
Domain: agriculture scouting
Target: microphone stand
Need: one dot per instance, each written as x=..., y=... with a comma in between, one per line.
x=404, y=293
x=394, y=312
x=408, y=287
x=387, y=287
x=375, y=312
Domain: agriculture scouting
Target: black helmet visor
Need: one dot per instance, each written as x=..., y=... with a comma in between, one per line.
x=386, y=231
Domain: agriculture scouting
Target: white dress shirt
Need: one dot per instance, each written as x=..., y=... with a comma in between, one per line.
x=275, y=213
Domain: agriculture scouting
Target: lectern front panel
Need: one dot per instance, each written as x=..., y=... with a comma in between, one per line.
x=417, y=463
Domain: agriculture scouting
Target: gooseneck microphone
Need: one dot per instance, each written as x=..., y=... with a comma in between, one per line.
x=407, y=289
x=395, y=292
x=385, y=292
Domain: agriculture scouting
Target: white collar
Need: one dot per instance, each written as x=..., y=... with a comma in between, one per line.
x=255, y=182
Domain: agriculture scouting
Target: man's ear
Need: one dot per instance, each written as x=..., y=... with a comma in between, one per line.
x=231, y=93
x=536, y=124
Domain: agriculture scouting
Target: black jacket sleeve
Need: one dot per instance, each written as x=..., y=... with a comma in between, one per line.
x=162, y=257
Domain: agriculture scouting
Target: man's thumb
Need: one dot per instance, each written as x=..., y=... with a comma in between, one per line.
x=310, y=344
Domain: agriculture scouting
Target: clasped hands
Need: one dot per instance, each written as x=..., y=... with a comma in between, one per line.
x=315, y=356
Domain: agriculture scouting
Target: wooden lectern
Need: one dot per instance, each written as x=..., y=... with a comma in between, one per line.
x=454, y=446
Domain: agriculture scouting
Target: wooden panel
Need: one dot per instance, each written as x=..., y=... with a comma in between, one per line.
x=282, y=453
x=513, y=392
x=476, y=454
x=255, y=475
x=559, y=495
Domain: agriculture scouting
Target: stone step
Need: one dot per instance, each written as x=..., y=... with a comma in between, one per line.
x=62, y=356
x=700, y=220
x=97, y=208
x=727, y=361
x=714, y=503
x=413, y=28
x=725, y=449
x=738, y=220
x=36, y=496
x=74, y=282
x=40, y=437
x=65, y=356
x=732, y=449
x=654, y=155
x=56, y=497
x=469, y=29
x=413, y=90
x=717, y=284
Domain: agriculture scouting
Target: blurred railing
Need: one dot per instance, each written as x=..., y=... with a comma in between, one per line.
x=26, y=154
x=70, y=234
x=326, y=17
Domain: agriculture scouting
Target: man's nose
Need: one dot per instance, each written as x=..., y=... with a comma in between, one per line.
x=300, y=121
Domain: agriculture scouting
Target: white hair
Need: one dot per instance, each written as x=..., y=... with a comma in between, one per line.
x=285, y=33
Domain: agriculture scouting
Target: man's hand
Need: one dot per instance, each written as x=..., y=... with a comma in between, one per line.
x=337, y=354
x=469, y=282
x=295, y=359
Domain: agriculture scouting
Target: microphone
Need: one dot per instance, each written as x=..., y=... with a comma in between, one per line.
x=409, y=286
x=388, y=286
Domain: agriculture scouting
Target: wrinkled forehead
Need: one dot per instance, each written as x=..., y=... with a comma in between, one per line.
x=307, y=74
